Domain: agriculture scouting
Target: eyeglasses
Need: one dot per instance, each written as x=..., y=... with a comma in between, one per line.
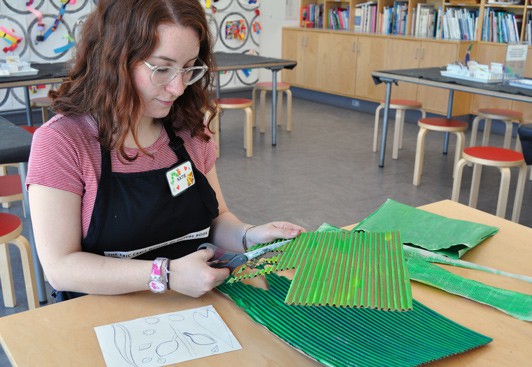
x=162, y=75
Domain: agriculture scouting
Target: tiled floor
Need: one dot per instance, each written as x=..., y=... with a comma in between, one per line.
x=324, y=171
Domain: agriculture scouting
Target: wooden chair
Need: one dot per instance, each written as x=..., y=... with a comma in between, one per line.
x=489, y=114
x=265, y=87
x=503, y=159
x=440, y=124
x=10, y=190
x=236, y=104
x=400, y=106
x=44, y=103
x=10, y=232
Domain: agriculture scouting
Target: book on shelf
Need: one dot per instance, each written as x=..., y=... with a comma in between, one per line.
x=311, y=16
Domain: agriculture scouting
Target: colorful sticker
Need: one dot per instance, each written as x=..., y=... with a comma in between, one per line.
x=180, y=178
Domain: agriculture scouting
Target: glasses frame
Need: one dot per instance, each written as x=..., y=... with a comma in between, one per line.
x=153, y=68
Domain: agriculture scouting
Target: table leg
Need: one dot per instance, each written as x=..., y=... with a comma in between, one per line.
x=449, y=115
x=39, y=275
x=29, y=118
x=388, y=83
x=274, y=107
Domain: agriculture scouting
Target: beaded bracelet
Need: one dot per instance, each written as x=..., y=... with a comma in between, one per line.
x=244, y=238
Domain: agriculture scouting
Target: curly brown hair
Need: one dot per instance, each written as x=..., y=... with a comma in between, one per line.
x=115, y=37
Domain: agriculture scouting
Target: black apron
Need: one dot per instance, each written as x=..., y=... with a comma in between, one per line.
x=133, y=211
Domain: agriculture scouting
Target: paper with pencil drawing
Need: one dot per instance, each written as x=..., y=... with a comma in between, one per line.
x=166, y=339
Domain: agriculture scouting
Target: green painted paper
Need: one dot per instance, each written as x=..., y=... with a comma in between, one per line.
x=337, y=336
x=419, y=228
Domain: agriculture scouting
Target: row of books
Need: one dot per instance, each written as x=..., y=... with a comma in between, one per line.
x=312, y=16
x=528, y=29
x=500, y=26
x=339, y=18
x=366, y=17
x=394, y=18
x=457, y=24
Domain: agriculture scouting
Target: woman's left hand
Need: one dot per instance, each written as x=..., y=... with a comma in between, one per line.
x=271, y=231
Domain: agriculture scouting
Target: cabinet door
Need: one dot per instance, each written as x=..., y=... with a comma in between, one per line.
x=337, y=63
x=370, y=57
x=402, y=54
x=303, y=47
x=435, y=54
x=490, y=52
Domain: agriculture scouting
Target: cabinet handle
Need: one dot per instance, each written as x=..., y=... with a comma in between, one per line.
x=354, y=47
x=422, y=54
x=416, y=53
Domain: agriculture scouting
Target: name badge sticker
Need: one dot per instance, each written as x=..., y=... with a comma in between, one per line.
x=180, y=178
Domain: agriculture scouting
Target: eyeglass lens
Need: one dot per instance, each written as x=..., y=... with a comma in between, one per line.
x=164, y=75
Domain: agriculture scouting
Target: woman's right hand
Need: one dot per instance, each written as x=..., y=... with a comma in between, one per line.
x=191, y=275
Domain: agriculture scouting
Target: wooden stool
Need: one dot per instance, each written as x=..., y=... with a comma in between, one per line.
x=489, y=114
x=10, y=232
x=44, y=103
x=400, y=106
x=501, y=158
x=236, y=104
x=437, y=124
x=10, y=190
x=267, y=87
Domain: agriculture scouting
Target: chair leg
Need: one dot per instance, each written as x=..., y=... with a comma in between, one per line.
x=519, y=191
x=376, y=127
x=254, y=105
x=44, y=114
x=420, y=148
x=457, y=181
x=6, y=277
x=508, y=134
x=475, y=185
x=279, y=108
x=460, y=141
x=504, y=188
x=487, y=130
x=248, y=136
x=262, y=111
x=474, y=129
x=399, y=120
x=3, y=172
x=288, y=110
x=27, y=268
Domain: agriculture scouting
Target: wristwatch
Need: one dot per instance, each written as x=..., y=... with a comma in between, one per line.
x=157, y=284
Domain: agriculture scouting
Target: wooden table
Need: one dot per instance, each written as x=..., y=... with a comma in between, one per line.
x=431, y=77
x=63, y=334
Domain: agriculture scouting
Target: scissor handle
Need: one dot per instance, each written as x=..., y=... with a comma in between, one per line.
x=224, y=259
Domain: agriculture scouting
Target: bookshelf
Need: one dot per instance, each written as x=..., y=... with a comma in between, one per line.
x=489, y=21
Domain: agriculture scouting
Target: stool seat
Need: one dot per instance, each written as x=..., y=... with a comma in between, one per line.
x=493, y=156
x=503, y=159
x=281, y=86
x=10, y=232
x=265, y=87
x=10, y=186
x=443, y=124
x=500, y=113
x=440, y=124
x=30, y=129
x=235, y=104
x=403, y=103
x=400, y=106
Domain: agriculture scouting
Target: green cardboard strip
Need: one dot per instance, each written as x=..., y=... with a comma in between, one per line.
x=419, y=228
x=337, y=336
x=345, y=270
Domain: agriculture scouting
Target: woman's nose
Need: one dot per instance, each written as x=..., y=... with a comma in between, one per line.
x=176, y=85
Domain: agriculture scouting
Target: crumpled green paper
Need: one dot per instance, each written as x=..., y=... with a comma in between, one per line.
x=433, y=232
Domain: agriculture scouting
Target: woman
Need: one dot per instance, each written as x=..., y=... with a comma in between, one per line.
x=122, y=182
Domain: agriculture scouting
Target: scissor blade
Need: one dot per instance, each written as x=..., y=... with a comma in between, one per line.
x=261, y=251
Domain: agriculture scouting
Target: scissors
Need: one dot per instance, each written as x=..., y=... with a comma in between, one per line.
x=232, y=260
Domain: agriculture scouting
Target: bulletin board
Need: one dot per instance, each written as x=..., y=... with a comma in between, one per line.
x=46, y=31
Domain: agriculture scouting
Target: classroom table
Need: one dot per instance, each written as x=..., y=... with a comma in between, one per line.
x=63, y=334
x=15, y=144
x=432, y=77
x=50, y=73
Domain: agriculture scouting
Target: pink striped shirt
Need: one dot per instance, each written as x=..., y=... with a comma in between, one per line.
x=65, y=154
